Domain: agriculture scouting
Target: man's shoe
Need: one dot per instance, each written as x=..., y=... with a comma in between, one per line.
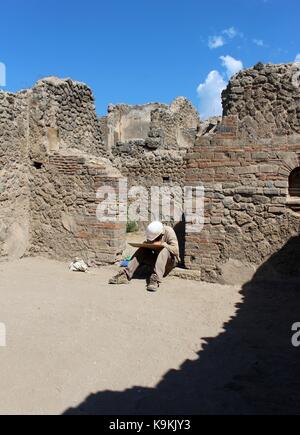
x=120, y=278
x=153, y=284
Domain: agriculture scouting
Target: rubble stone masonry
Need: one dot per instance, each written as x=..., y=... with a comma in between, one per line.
x=266, y=100
x=55, y=153
x=248, y=212
x=51, y=169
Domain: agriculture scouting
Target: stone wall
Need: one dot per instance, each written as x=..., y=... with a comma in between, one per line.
x=55, y=153
x=163, y=169
x=63, y=209
x=50, y=143
x=174, y=127
x=266, y=100
x=125, y=123
x=248, y=212
x=14, y=183
x=152, y=126
x=153, y=155
x=244, y=164
x=62, y=115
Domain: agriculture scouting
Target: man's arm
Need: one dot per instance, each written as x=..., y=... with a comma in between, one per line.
x=171, y=242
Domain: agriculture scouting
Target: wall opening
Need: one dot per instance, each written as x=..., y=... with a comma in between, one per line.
x=294, y=190
x=294, y=183
x=37, y=165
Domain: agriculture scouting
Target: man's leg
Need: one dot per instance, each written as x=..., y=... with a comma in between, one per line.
x=142, y=256
x=164, y=264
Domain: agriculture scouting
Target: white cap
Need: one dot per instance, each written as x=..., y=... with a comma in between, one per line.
x=154, y=230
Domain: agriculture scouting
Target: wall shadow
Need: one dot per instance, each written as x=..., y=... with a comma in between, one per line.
x=180, y=231
x=251, y=368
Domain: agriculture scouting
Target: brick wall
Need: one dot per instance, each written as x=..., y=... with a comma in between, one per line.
x=247, y=211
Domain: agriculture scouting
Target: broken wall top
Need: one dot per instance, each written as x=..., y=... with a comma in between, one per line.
x=153, y=126
x=266, y=100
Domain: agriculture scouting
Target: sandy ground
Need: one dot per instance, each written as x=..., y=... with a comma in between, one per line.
x=71, y=334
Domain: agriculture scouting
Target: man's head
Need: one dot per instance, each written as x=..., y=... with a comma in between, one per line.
x=154, y=231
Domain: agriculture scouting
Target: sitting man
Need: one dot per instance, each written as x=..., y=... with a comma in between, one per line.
x=161, y=260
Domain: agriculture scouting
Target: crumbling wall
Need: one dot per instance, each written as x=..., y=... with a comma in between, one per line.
x=50, y=179
x=153, y=126
x=146, y=168
x=164, y=169
x=174, y=127
x=154, y=155
x=244, y=165
x=14, y=184
x=266, y=100
x=66, y=172
x=248, y=212
x=51, y=154
x=64, y=203
x=62, y=116
x=124, y=123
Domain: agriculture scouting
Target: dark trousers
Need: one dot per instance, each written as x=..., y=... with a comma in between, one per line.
x=161, y=262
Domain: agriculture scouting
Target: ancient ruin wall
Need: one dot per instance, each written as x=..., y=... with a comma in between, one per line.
x=50, y=178
x=66, y=172
x=266, y=100
x=51, y=141
x=245, y=167
x=62, y=116
x=151, y=143
x=14, y=182
x=125, y=123
x=174, y=127
x=248, y=212
x=152, y=126
x=63, y=209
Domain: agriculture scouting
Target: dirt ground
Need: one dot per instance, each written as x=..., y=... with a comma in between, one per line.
x=70, y=335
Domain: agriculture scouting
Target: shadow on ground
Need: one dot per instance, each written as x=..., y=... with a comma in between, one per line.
x=251, y=368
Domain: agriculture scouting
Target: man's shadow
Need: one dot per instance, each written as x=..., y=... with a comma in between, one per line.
x=250, y=368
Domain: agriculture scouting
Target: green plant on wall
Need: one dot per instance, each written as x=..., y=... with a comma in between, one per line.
x=132, y=227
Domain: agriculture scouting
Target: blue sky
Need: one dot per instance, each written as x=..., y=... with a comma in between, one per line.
x=136, y=51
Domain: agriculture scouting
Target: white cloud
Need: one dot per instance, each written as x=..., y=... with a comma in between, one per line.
x=216, y=42
x=209, y=92
x=258, y=42
x=231, y=65
x=297, y=58
x=2, y=74
x=224, y=37
x=231, y=32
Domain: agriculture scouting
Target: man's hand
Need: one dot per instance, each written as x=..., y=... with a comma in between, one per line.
x=159, y=243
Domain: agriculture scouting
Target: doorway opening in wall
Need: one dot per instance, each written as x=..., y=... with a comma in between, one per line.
x=294, y=190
